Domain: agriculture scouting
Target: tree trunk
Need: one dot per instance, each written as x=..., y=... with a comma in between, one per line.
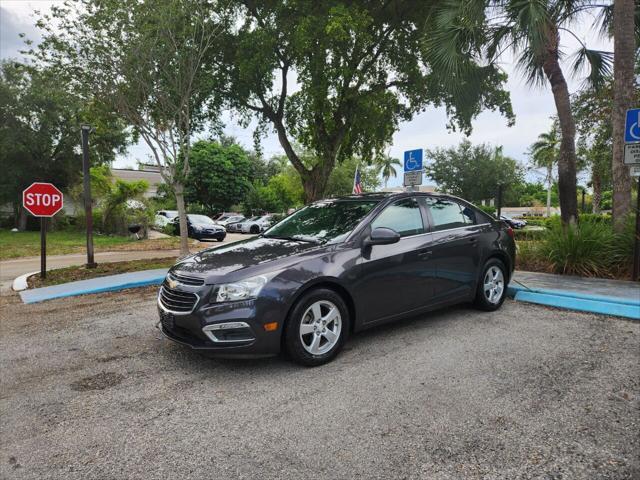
x=623, y=89
x=549, y=184
x=178, y=188
x=314, y=183
x=22, y=219
x=596, y=183
x=567, y=190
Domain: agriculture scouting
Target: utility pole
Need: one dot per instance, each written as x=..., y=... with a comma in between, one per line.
x=86, y=182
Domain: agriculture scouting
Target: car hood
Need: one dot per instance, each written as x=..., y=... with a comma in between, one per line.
x=245, y=258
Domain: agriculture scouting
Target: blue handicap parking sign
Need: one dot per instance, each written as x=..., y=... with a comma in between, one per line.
x=413, y=160
x=632, y=126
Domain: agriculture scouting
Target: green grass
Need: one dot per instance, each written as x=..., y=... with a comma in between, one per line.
x=27, y=244
x=71, y=274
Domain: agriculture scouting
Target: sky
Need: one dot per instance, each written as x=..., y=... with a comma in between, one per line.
x=533, y=107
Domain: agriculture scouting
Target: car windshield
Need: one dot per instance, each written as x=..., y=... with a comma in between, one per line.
x=200, y=219
x=322, y=222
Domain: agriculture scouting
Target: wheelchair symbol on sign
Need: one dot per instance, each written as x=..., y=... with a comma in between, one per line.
x=634, y=129
x=412, y=163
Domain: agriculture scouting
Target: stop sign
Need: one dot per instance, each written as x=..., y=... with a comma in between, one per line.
x=42, y=199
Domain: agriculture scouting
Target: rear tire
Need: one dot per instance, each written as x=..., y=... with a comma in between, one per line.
x=492, y=286
x=254, y=229
x=317, y=328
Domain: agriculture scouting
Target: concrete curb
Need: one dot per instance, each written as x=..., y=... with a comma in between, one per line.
x=109, y=283
x=616, y=306
x=20, y=283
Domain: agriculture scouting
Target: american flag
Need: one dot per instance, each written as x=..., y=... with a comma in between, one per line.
x=357, y=185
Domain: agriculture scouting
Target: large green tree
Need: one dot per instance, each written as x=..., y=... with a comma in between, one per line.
x=154, y=63
x=534, y=31
x=219, y=176
x=472, y=172
x=337, y=77
x=40, y=131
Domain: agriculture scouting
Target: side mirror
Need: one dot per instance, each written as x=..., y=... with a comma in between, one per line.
x=381, y=236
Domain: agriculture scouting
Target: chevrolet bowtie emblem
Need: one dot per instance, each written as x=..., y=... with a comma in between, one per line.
x=172, y=283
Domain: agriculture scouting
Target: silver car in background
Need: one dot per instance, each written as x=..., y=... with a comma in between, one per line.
x=258, y=225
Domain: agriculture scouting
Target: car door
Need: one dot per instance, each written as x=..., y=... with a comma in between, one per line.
x=455, y=247
x=396, y=279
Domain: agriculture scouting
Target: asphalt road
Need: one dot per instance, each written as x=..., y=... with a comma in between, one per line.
x=10, y=269
x=90, y=390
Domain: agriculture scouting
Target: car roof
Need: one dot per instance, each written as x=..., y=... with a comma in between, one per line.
x=385, y=195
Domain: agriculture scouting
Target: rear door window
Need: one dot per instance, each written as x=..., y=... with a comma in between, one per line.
x=402, y=216
x=447, y=214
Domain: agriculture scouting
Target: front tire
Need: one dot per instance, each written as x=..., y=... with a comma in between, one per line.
x=317, y=328
x=492, y=287
x=254, y=229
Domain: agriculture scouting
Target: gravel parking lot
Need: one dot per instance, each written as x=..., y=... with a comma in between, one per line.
x=91, y=390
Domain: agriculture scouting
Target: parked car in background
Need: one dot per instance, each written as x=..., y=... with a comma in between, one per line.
x=237, y=226
x=225, y=215
x=513, y=222
x=257, y=225
x=224, y=221
x=163, y=217
x=335, y=267
x=201, y=227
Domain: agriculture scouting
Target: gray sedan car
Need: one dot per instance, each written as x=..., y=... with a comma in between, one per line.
x=333, y=268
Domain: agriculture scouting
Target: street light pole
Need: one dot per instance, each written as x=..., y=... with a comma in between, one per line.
x=86, y=182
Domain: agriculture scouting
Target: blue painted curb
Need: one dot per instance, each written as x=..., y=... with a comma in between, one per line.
x=109, y=283
x=617, y=306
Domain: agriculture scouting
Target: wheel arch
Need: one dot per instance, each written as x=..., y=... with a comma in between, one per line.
x=504, y=258
x=330, y=284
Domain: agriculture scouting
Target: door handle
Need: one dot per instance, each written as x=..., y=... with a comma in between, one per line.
x=424, y=254
x=473, y=240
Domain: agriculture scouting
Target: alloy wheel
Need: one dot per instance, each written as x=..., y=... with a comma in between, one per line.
x=320, y=327
x=493, y=285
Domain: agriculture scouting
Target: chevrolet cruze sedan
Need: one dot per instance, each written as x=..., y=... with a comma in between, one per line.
x=333, y=268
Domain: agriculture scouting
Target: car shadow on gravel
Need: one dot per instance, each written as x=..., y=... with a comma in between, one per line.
x=187, y=358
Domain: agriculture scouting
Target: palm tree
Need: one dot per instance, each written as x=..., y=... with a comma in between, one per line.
x=386, y=166
x=545, y=153
x=533, y=30
x=625, y=44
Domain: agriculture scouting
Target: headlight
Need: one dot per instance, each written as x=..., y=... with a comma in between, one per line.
x=242, y=290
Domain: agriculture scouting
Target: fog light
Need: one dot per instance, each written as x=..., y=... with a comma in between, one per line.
x=270, y=327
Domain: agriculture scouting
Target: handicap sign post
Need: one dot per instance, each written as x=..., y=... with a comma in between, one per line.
x=632, y=158
x=632, y=126
x=413, y=167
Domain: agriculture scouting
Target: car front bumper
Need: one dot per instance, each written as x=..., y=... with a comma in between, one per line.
x=245, y=337
x=214, y=235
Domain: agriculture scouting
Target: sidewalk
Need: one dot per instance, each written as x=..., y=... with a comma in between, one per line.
x=591, y=286
x=608, y=297
x=10, y=269
x=596, y=295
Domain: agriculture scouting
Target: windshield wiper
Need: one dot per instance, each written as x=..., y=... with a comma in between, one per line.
x=295, y=238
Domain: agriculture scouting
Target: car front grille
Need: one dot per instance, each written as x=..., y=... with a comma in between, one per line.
x=186, y=279
x=177, y=301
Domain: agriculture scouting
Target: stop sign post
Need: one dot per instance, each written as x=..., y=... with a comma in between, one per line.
x=42, y=200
